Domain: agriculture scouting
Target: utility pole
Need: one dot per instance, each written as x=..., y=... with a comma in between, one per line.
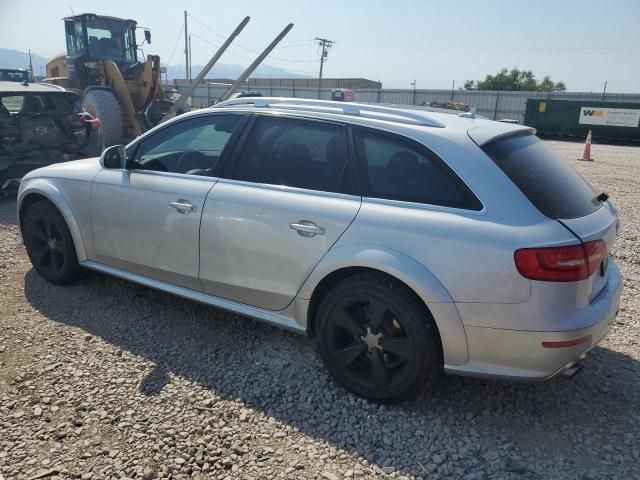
x=186, y=46
x=604, y=90
x=414, y=91
x=32, y=78
x=453, y=85
x=326, y=46
x=189, y=58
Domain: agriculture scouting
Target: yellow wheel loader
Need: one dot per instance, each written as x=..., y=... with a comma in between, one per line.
x=101, y=65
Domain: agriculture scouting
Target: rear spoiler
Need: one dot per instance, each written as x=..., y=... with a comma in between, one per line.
x=492, y=131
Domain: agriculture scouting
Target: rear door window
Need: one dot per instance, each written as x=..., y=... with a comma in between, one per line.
x=296, y=153
x=548, y=181
x=396, y=168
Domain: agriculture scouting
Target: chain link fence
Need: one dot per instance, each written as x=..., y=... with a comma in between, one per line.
x=492, y=104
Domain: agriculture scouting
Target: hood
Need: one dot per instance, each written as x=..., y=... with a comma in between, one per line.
x=84, y=169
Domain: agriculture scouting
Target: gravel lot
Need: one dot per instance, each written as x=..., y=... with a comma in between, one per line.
x=107, y=379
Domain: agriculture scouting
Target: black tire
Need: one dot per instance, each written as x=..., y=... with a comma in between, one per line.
x=104, y=105
x=377, y=338
x=49, y=244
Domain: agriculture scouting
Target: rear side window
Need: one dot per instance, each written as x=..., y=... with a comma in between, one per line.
x=297, y=153
x=13, y=104
x=549, y=182
x=398, y=169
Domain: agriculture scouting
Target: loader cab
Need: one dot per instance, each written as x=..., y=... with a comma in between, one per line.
x=93, y=38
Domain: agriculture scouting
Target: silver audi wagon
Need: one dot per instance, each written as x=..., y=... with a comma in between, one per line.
x=405, y=242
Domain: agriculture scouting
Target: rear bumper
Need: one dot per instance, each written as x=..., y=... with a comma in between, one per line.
x=18, y=164
x=519, y=354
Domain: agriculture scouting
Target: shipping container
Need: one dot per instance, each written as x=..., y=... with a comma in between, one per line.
x=574, y=118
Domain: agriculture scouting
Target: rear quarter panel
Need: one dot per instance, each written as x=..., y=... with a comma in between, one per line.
x=469, y=252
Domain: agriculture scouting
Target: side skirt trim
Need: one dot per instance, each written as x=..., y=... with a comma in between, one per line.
x=280, y=320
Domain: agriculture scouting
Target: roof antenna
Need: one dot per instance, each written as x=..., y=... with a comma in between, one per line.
x=73, y=14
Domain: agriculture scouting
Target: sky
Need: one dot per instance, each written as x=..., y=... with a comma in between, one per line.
x=582, y=43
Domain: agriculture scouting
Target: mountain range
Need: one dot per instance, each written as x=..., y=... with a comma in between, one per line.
x=17, y=59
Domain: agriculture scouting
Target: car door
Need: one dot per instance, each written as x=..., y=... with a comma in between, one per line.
x=146, y=219
x=288, y=196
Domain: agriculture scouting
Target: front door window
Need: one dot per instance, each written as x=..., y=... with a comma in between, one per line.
x=192, y=146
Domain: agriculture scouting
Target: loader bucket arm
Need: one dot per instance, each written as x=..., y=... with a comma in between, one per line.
x=148, y=86
x=122, y=94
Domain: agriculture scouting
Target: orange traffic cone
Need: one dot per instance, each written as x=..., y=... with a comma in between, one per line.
x=586, y=153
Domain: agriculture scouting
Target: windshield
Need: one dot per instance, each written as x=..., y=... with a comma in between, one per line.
x=111, y=39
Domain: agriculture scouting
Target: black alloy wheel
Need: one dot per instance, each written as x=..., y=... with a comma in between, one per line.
x=377, y=339
x=49, y=244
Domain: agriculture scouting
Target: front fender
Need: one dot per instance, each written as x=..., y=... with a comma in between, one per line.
x=413, y=274
x=48, y=188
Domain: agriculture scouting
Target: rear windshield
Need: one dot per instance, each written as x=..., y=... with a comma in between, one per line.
x=548, y=181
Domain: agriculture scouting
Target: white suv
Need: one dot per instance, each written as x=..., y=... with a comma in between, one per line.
x=406, y=242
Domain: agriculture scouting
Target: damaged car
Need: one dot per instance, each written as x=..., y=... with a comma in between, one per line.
x=40, y=125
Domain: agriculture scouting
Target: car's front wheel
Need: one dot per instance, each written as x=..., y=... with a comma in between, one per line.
x=377, y=339
x=49, y=244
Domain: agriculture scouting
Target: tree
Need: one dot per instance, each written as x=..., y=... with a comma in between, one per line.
x=515, y=80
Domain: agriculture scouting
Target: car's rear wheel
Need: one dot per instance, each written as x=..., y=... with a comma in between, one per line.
x=377, y=338
x=49, y=244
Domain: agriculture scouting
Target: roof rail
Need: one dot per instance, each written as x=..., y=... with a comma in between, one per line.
x=345, y=108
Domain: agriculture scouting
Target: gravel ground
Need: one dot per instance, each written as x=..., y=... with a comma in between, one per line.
x=107, y=379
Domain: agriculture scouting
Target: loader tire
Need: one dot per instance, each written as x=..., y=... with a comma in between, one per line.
x=104, y=105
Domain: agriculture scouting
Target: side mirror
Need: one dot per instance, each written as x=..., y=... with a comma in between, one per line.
x=147, y=36
x=114, y=157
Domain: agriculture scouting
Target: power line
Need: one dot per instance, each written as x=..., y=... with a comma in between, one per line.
x=294, y=44
x=243, y=57
x=326, y=46
x=218, y=46
x=175, y=45
x=271, y=57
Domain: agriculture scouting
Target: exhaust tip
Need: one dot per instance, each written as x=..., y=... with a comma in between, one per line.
x=572, y=370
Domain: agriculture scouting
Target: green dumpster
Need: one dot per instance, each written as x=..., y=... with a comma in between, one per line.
x=574, y=118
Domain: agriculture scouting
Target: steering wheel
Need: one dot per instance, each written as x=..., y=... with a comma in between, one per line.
x=155, y=165
x=192, y=160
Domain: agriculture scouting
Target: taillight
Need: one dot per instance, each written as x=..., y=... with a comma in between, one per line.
x=596, y=252
x=567, y=343
x=93, y=123
x=561, y=264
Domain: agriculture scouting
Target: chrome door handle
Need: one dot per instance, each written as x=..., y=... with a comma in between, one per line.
x=307, y=228
x=183, y=206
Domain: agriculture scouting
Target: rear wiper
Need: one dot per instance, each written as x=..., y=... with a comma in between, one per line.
x=602, y=197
